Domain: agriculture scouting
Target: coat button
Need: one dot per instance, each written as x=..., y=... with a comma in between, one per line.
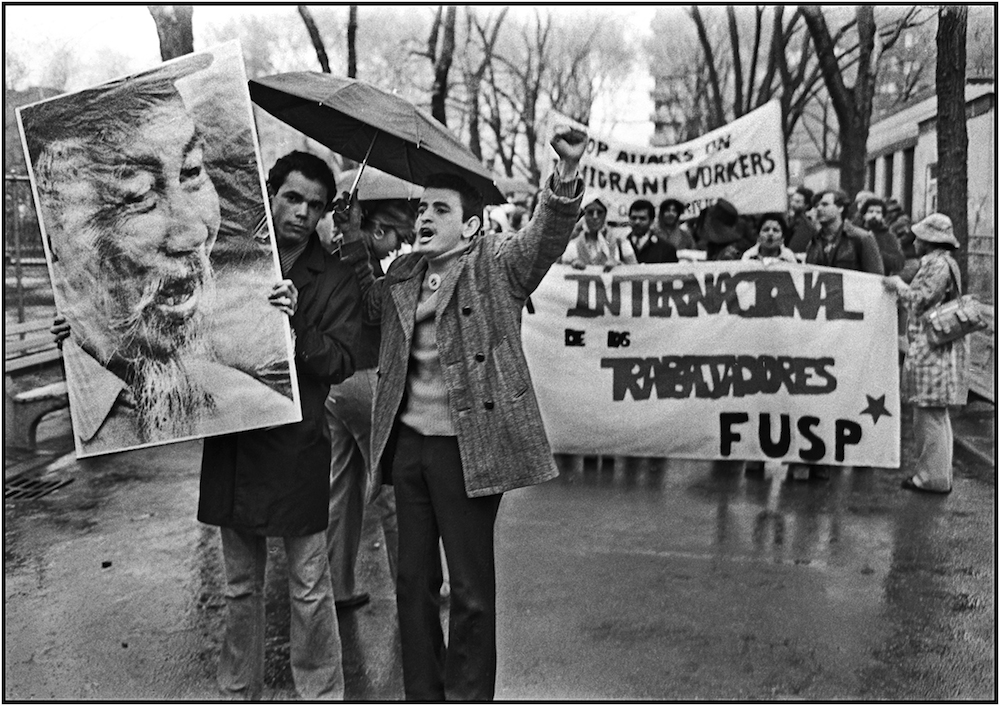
x=480, y=357
x=466, y=310
x=488, y=404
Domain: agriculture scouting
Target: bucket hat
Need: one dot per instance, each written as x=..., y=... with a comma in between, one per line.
x=936, y=228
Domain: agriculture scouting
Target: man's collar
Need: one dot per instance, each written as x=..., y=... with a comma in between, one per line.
x=834, y=232
x=640, y=241
x=311, y=256
x=99, y=389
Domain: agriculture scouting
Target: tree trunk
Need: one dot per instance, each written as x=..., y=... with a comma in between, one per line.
x=474, y=76
x=475, y=142
x=442, y=65
x=853, y=106
x=317, y=40
x=952, y=135
x=718, y=114
x=352, y=41
x=173, y=26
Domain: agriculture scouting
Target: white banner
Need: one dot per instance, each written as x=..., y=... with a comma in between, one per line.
x=721, y=360
x=743, y=162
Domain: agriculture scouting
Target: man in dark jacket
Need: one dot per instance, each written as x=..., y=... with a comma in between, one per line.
x=647, y=244
x=840, y=244
x=873, y=220
x=800, y=229
x=385, y=226
x=275, y=482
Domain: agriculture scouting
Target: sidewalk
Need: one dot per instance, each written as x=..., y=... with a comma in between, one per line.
x=975, y=427
x=623, y=579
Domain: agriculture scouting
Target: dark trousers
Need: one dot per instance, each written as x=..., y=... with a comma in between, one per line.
x=431, y=503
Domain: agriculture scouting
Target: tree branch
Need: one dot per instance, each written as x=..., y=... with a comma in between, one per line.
x=718, y=113
x=315, y=38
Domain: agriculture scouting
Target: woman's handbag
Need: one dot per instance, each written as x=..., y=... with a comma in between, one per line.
x=958, y=317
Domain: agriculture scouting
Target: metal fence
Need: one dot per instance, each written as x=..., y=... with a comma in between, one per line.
x=982, y=268
x=25, y=274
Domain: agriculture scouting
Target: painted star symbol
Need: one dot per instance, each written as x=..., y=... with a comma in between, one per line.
x=876, y=408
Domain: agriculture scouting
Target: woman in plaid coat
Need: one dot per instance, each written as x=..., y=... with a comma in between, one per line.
x=934, y=377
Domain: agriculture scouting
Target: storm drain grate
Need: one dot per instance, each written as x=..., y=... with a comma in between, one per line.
x=31, y=488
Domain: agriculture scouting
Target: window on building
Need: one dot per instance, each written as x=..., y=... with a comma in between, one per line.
x=889, y=164
x=870, y=177
x=906, y=197
x=930, y=195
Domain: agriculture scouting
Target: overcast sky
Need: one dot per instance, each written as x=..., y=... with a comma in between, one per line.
x=128, y=31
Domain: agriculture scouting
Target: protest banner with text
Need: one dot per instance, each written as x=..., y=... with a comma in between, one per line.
x=743, y=162
x=725, y=360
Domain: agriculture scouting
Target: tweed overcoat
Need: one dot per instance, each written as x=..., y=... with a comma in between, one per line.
x=276, y=481
x=933, y=376
x=501, y=437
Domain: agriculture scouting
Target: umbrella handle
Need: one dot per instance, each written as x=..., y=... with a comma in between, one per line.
x=361, y=168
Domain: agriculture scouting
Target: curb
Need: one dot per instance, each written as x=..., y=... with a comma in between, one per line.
x=965, y=446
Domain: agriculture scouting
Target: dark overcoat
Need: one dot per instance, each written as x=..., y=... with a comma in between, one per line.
x=276, y=482
x=501, y=437
x=655, y=251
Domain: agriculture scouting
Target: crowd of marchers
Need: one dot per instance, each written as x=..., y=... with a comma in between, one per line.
x=414, y=389
x=827, y=228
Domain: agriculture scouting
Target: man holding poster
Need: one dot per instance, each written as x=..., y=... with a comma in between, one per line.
x=275, y=482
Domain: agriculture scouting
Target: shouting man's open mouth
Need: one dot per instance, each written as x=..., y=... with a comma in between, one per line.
x=424, y=235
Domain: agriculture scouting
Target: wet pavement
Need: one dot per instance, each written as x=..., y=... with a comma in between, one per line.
x=623, y=579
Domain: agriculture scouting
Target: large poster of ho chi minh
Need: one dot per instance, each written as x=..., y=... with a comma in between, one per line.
x=154, y=217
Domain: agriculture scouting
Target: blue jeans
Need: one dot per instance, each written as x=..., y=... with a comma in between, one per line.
x=316, y=658
x=349, y=417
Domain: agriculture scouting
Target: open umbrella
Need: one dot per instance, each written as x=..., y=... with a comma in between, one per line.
x=368, y=125
x=513, y=185
x=376, y=185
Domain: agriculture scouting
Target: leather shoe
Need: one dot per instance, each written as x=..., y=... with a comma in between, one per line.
x=908, y=484
x=355, y=601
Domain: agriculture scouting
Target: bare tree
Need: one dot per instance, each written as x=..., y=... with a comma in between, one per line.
x=352, y=40
x=525, y=71
x=60, y=68
x=546, y=64
x=717, y=114
x=852, y=104
x=441, y=57
x=475, y=70
x=952, y=135
x=743, y=59
x=315, y=38
x=173, y=27
x=14, y=70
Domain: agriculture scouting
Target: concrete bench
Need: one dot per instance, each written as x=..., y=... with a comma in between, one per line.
x=29, y=348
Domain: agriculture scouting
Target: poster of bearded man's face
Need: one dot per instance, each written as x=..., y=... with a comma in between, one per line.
x=152, y=206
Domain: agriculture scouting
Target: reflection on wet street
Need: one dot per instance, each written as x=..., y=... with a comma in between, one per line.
x=712, y=582
x=624, y=578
